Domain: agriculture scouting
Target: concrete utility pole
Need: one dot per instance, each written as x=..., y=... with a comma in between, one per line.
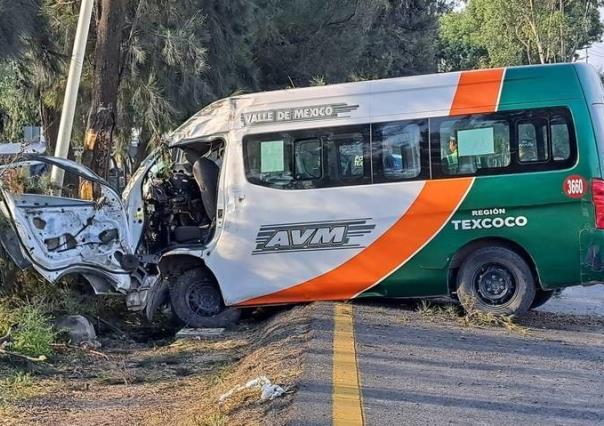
x=71, y=91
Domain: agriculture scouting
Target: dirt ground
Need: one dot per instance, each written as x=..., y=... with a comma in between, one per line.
x=165, y=381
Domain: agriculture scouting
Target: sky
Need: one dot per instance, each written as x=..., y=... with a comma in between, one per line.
x=595, y=54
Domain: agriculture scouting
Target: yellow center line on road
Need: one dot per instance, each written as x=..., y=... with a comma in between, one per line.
x=347, y=400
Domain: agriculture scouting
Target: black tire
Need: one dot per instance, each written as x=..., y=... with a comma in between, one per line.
x=542, y=297
x=496, y=280
x=197, y=302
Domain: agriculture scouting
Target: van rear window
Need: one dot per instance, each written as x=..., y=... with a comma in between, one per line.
x=597, y=112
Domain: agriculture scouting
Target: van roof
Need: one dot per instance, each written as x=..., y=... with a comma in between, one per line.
x=426, y=95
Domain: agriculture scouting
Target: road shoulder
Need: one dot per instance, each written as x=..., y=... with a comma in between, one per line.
x=312, y=403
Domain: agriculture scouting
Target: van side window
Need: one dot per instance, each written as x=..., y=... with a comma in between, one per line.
x=268, y=161
x=532, y=140
x=396, y=149
x=308, y=159
x=560, y=138
x=311, y=158
x=347, y=158
x=472, y=143
x=481, y=144
x=503, y=142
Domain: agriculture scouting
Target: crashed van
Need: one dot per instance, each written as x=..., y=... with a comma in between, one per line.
x=483, y=185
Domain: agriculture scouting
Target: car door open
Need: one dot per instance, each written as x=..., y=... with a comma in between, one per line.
x=61, y=235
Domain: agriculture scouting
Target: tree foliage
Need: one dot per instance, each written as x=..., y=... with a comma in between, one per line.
x=305, y=39
x=402, y=39
x=15, y=107
x=31, y=63
x=489, y=33
x=178, y=55
x=19, y=21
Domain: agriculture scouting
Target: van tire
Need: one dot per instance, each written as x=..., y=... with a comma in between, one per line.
x=542, y=297
x=496, y=280
x=197, y=302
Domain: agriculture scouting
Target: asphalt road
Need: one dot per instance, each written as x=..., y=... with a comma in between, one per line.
x=446, y=374
x=417, y=370
x=578, y=301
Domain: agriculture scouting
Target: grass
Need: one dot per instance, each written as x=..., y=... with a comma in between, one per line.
x=66, y=297
x=118, y=374
x=28, y=302
x=434, y=312
x=18, y=386
x=8, y=317
x=30, y=330
x=33, y=335
x=273, y=350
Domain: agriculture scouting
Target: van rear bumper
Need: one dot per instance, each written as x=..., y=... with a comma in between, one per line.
x=592, y=257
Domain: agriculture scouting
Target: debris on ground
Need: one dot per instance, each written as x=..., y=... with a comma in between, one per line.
x=269, y=391
x=199, y=333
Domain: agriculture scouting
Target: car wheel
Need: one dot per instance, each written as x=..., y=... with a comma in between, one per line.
x=496, y=280
x=197, y=302
x=542, y=297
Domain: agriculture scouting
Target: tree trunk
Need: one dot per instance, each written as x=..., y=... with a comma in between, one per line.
x=51, y=118
x=532, y=21
x=101, y=119
x=562, y=46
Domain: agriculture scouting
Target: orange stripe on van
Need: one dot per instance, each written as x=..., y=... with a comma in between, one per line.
x=477, y=91
x=430, y=211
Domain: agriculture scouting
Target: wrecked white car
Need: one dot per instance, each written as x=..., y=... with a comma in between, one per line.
x=118, y=244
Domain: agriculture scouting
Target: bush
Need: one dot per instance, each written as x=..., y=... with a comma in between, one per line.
x=33, y=334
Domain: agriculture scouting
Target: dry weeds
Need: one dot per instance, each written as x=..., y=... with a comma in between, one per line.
x=275, y=351
x=470, y=317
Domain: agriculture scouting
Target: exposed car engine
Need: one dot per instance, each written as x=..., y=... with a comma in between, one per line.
x=174, y=211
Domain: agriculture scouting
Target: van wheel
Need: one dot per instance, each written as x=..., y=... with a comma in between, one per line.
x=542, y=297
x=496, y=280
x=197, y=302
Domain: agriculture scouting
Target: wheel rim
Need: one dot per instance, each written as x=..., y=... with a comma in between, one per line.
x=494, y=284
x=204, y=300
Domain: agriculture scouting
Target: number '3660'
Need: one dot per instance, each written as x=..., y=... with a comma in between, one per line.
x=575, y=186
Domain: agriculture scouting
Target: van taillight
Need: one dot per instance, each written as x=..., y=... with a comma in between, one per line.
x=597, y=195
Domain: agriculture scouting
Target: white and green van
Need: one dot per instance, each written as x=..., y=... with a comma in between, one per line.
x=485, y=185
